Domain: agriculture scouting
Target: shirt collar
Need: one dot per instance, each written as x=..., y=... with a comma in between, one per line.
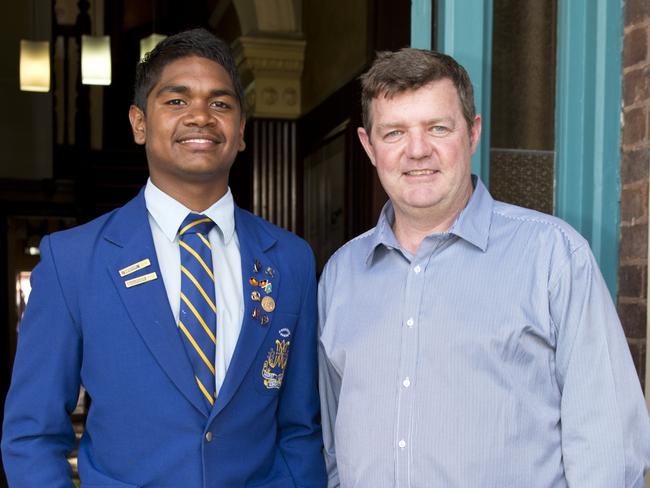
x=169, y=213
x=471, y=225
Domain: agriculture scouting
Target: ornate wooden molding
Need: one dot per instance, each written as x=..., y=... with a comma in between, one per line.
x=271, y=70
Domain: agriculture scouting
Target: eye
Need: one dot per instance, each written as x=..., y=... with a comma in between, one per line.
x=393, y=134
x=175, y=101
x=220, y=104
x=440, y=130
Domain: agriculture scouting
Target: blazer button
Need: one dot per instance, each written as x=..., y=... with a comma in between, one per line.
x=208, y=437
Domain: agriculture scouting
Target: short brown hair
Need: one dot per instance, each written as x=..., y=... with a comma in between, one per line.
x=409, y=69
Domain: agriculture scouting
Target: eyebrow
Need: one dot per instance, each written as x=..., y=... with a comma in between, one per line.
x=182, y=89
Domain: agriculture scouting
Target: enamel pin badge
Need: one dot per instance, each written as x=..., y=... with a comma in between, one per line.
x=141, y=279
x=261, y=284
x=134, y=267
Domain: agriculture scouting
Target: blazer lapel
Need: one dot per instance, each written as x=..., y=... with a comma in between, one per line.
x=147, y=302
x=254, y=242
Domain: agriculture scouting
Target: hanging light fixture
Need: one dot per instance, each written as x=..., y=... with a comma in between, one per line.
x=96, y=60
x=148, y=43
x=34, y=62
x=34, y=66
x=95, y=57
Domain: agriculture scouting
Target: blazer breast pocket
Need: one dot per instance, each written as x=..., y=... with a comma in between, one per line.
x=275, y=355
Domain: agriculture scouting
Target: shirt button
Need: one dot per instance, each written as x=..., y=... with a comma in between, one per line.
x=417, y=269
x=208, y=436
x=409, y=322
x=402, y=444
x=406, y=382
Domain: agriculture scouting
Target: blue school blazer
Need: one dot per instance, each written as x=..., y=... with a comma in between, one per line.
x=148, y=425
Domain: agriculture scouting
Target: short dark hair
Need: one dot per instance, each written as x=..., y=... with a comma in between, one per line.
x=194, y=42
x=408, y=69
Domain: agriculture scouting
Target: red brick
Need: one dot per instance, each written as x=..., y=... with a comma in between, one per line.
x=635, y=165
x=635, y=47
x=636, y=11
x=636, y=86
x=634, y=203
x=634, y=241
x=631, y=282
x=637, y=349
x=634, y=126
x=633, y=318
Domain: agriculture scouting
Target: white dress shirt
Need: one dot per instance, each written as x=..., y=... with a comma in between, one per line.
x=165, y=218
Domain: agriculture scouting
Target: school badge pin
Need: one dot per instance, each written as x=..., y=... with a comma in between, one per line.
x=275, y=364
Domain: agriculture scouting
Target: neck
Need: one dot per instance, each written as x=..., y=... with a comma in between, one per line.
x=412, y=227
x=195, y=196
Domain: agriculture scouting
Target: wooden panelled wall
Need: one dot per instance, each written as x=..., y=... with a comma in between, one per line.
x=275, y=172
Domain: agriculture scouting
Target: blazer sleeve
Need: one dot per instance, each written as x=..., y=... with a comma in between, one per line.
x=299, y=431
x=37, y=431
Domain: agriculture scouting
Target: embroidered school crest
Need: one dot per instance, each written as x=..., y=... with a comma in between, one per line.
x=275, y=364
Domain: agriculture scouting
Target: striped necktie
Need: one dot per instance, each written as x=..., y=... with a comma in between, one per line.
x=197, y=321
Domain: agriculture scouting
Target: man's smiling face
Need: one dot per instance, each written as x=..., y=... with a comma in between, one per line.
x=422, y=148
x=193, y=126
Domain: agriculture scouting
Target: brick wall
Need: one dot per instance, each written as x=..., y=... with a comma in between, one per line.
x=635, y=164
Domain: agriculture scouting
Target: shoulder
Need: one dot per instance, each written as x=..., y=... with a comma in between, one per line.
x=349, y=258
x=290, y=249
x=548, y=228
x=260, y=226
x=549, y=242
x=80, y=238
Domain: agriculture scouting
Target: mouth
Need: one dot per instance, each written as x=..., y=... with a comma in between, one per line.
x=420, y=172
x=199, y=141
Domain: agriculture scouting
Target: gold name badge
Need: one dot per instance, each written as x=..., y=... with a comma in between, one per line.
x=135, y=267
x=141, y=279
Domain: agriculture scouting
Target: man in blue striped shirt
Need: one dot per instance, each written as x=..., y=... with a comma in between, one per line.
x=465, y=341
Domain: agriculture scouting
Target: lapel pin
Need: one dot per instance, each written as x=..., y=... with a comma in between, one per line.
x=135, y=267
x=268, y=304
x=257, y=266
x=268, y=288
x=264, y=320
x=256, y=313
x=269, y=271
x=255, y=296
x=252, y=281
x=141, y=279
x=263, y=283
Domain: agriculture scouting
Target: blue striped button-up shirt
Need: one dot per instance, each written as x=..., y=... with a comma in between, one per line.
x=493, y=357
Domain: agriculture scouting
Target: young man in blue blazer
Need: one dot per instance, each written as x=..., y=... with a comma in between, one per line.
x=190, y=386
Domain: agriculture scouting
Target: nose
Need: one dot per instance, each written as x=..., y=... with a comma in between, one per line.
x=199, y=115
x=418, y=145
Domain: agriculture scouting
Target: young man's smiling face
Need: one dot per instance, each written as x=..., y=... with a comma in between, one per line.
x=192, y=127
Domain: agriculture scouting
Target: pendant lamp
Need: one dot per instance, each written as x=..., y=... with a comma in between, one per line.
x=34, y=66
x=96, y=60
x=148, y=43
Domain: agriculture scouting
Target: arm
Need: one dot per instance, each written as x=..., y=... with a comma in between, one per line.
x=330, y=386
x=37, y=432
x=299, y=433
x=605, y=426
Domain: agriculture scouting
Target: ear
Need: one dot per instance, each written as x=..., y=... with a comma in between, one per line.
x=242, y=126
x=138, y=124
x=364, y=137
x=475, y=133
